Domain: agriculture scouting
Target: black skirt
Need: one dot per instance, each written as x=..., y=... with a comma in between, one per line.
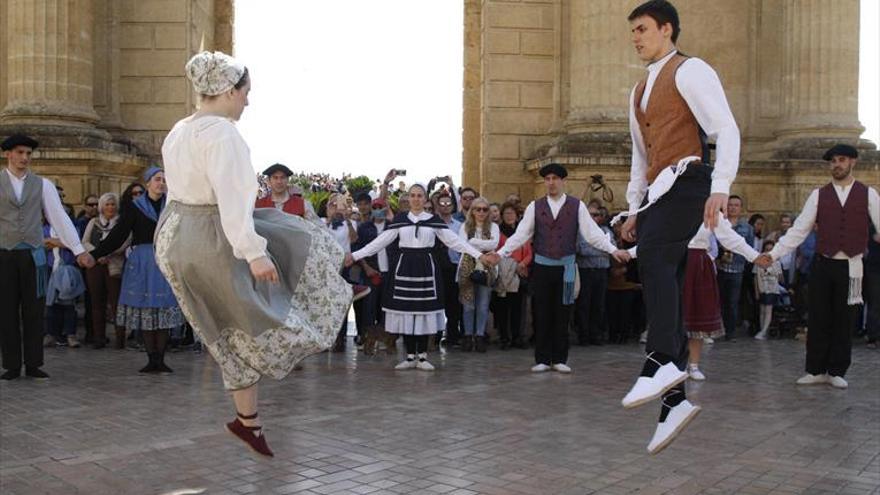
x=415, y=284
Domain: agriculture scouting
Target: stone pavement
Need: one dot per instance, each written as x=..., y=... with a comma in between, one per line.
x=481, y=424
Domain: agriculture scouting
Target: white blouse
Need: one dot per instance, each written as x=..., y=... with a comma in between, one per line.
x=207, y=162
x=484, y=245
x=425, y=239
x=726, y=236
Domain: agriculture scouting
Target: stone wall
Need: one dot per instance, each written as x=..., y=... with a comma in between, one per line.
x=518, y=43
x=100, y=82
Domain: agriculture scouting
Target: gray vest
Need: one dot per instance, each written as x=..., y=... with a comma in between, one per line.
x=21, y=221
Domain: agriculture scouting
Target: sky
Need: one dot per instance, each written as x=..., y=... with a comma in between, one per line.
x=365, y=86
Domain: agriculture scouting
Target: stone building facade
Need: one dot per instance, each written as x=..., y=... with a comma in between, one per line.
x=550, y=80
x=100, y=82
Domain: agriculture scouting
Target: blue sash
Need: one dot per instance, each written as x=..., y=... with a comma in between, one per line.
x=41, y=263
x=568, y=275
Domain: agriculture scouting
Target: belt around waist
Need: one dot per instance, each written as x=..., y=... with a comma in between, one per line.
x=193, y=208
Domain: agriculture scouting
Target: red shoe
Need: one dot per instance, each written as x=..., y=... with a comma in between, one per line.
x=252, y=436
x=359, y=292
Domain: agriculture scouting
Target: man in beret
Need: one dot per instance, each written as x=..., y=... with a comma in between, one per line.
x=553, y=224
x=842, y=210
x=283, y=196
x=24, y=198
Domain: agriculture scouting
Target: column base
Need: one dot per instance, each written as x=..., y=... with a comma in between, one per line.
x=83, y=160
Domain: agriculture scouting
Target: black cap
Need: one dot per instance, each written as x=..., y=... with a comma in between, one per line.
x=277, y=168
x=18, y=140
x=842, y=150
x=555, y=169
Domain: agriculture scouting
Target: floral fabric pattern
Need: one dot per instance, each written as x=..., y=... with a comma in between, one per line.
x=149, y=319
x=317, y=305
x=213, y=73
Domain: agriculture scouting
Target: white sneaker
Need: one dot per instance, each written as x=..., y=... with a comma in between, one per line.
x=762, y=335
x=643, y=338
x=407, y=364
x=708, y=340
x=695, y=374
x=423, y=364
x=561, y=367
x=540, y=368
x=837, y=381
x=678, y=417
x=648, y=388
x=809, y=379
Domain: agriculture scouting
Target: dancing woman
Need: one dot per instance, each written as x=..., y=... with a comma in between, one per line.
x=260, y=288
x=413, y=297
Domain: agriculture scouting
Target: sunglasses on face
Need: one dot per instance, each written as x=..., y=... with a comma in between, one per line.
x=378, y=207
x=444, y=204
x=481, y=209
x=92, y=204
x=136, y=193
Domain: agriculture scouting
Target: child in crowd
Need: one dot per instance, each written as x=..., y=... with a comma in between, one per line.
x=767, y=290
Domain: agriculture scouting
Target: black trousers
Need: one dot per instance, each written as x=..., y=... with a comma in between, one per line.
x=551, y=316
x=589, y=312
x=664, y=231
x=21, y=312
x=453, y=307
x=622, y=314
x=831, y=320
x=508, y=315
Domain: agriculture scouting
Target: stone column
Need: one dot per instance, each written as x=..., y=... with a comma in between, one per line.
x=820, y=69
x=603, y=66
x=49, y=63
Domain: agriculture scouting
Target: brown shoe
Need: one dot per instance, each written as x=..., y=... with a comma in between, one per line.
x=252, y=436
x=120, y=338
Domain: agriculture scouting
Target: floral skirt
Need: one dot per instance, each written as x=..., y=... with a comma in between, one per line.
x=149, y=319
x=253, y=329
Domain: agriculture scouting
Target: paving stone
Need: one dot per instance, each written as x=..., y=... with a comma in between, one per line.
x=480, y=425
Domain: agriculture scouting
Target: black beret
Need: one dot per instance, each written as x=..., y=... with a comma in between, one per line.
x=18, y=140
x=555, y=169
x=277, y=168
x=842, y=150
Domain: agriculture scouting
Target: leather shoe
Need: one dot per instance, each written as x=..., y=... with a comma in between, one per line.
x=36, y=373
x=11, y=374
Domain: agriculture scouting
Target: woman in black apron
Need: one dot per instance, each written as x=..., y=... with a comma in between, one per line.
x=413, y=298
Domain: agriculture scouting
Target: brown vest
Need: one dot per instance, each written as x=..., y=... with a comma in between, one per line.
x=842, y=227
x=669, y=128
x=294, y=206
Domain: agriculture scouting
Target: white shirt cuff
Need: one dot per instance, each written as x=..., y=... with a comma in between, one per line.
x=721, y=186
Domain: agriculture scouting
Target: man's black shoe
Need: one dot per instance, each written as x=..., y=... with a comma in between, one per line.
x=36, y=373
x=10, y=374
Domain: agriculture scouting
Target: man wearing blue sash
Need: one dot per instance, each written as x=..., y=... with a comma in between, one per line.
x=25, y=198
x=553, y=223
